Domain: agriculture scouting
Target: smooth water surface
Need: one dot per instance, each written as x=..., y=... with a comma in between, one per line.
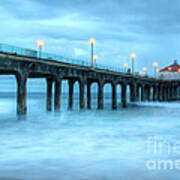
x=85, y=145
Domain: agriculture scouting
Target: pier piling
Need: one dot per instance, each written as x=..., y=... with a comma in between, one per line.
x=71, y=90
x=142, y=93
x=114, y=96
x=124, y=95
x=81, y=95
x=100, y=96
x=49, y=83
x=57, y=95
x=21, y=93
x=88, y=95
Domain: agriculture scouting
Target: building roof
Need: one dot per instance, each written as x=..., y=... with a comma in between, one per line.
x=175, y=67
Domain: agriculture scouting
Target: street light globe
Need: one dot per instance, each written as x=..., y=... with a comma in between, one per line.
x=133, y=56
x=92, y=40
x=144, y=69
x=155, y=64
x=95, y=57
x=40, y=43
x=158, y=70
x=125, y=65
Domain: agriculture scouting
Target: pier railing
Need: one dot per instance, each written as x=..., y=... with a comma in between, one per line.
x=5, y=48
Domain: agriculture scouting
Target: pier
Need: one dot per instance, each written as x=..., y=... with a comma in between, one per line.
x=23, y=65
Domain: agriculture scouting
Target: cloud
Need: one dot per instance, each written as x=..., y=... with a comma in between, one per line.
x=120, y=27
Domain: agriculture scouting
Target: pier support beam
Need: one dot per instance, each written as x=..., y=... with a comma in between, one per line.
x=175, y=93
x=171, y=93
x=178, y=95
x=155, y=89
x=57, y=95
x=168, y=93
x=137, y=93
x=160, y=91
x=143, y=93
x=21, y=93
x=49, y=83
x=148, y=92
x=81, y=95
x=88, y=95
x=100, y=95
x=114, y=96
x=164, y=94
x=71, y=91
x=124, y=95
x=133, y=92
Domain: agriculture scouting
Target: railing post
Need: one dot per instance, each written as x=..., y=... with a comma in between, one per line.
x=57, y=95
x=49, y=83
x=81, y=95
x=89, y=95
x=124, y=95
x=21, y=93
x=114, y=96
x=71, y=91
x=100, y=95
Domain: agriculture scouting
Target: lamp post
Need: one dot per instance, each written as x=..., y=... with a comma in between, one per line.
x=40, y=45
x=144, y=70
x=125, y=68
x=95, y=59
x=92, y=50
x=133, y=57
x=155, y=69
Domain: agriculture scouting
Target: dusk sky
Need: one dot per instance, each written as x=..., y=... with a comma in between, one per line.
x=150, y=29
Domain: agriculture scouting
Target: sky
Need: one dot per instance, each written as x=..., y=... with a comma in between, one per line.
x=148, y=28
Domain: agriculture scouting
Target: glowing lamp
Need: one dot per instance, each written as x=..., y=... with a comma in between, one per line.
x=92, y=40
x=133, y=56
x=40, y=43
x=95, y=57
x=155, y=64
x=144, y=69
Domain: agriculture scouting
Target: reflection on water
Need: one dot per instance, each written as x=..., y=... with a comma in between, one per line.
x=85, y=145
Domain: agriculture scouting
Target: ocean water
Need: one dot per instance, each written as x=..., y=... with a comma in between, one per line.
x=90, y=144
